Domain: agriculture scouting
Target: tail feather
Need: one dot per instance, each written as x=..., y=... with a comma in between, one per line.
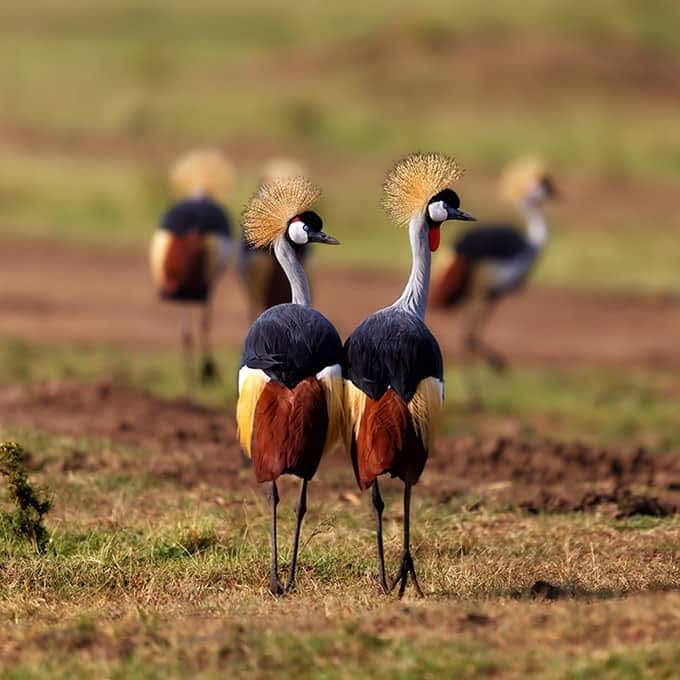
x=290, y=430
x=389, y=435
x=178, y=265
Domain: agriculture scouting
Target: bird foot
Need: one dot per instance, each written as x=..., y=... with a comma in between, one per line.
x=383, y=586
x=276, y=587
x=209, y=372
x=405, y=569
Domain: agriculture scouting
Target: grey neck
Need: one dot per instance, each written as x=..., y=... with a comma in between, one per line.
x=537, y=227
x=294, y=271
x=414, y=297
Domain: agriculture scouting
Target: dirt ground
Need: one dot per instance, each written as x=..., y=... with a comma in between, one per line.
x=194, y=445
x=93, y=297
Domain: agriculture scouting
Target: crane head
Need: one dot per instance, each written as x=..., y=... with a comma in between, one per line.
x=443, y=206
x=307, y=227
x=527, y=181
x=543, y=188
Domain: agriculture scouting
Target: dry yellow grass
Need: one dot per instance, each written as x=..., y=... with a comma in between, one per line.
x=146, y=576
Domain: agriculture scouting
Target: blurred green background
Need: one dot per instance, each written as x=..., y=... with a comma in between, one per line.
x=98, y=98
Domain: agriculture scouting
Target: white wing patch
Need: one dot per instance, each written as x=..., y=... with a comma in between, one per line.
x=247, y=372
x=160, y=242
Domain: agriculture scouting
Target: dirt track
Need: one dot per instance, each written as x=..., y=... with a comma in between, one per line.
x=77, y=295
x=192, y=445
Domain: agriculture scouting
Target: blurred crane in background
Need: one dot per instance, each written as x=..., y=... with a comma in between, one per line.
x=190, y=249
x=264, y=281
x=491, y=260
x=393, y=365
x=290, y=392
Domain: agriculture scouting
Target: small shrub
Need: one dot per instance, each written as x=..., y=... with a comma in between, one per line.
x=26, y=521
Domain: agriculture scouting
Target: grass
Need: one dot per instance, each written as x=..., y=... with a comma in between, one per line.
x=592, y=404
x=160, y=371
x=116, y=204
x=129, y=565
x=151, y=575
x=589, y=403
x=84, y=157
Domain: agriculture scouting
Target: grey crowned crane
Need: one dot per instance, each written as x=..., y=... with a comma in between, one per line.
x=264, y=281
x=490, y=261
x=191, y=246
x=393, y=372
x=290, y=390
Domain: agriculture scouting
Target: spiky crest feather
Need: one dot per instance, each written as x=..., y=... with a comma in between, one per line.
x=202, y=171
x=519, y=177
x=414, y=180
x=282, y=168
x=275, y=203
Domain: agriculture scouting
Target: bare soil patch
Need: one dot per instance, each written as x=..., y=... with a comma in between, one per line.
x=549, y=476
x=89, y=296
x=189, y=444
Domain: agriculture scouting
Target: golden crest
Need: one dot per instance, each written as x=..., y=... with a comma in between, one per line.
x=267, y=215
x=414, y=180
x=202, y=172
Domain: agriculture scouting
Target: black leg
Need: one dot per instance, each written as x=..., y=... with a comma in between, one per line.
x=496, y=360
x=275, y=587
x=406, y=559
x=470, y=378
x=378, y=507
x=209, y=372
x=300, y=510
x=187, y=349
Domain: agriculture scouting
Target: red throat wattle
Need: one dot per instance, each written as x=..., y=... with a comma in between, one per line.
x=434, y=235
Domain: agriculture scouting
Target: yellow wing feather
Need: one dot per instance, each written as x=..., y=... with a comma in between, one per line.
x=426, y=408
x=249, y=394
x=160, y=242
x=332, y=383
x=355, y=403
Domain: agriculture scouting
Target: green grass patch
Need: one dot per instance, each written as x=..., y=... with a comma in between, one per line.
x=81, y=159
x=160, y=371
x=156, y=579
x=597, y=405
x=589, y=403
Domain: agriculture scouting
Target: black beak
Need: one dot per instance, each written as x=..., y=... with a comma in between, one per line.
x=322, y=237
x=455, y=214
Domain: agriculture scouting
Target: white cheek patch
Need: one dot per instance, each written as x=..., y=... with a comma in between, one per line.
x=537, y=192
x=297, y=233
x=437, y=212
x=246, y=372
